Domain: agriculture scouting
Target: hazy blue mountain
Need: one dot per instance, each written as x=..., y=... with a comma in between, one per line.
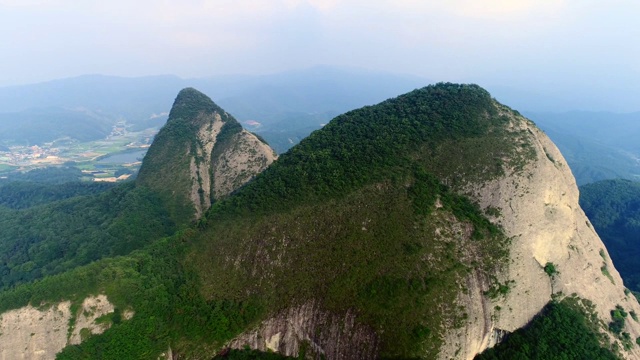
x=132, y=98
x=314, y=90
x=621, y=130
x=285, y=107
x=548, y=100
x=288, y=105
x=39, y=125
x=597, y=145
x=528, y=100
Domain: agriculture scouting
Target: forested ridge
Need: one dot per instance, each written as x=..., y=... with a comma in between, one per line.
x=23, y=194
x=377, y=142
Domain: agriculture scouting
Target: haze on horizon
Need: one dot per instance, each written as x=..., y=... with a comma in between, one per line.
x=570, y=49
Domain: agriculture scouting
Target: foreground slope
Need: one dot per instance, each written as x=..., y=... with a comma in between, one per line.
x=200, y=155
x=364, y=241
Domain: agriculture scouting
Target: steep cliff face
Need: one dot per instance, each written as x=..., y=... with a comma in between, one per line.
x=201, y=155
x=319, y=332
x=537, y=206
x=235, y=164
x=31, y=333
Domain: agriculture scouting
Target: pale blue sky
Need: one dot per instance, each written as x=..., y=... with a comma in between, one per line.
x=587, y=48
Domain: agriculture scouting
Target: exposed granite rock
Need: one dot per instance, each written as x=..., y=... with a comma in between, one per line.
x=323, y=335
x=539, y=211
x=32, y=333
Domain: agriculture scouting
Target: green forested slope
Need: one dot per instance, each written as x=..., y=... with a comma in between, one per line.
x=613, y=207
x=377, y=142
x=22, y=194
x=561, y=331
x=48, y=175
x=55, y=237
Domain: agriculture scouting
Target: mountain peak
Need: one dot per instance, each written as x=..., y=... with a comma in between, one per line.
x=191, y=98
x=444, y=178
x=200, y=155
x=190, y=103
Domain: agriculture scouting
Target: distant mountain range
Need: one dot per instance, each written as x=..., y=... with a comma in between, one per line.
x=597, y=145
x=286, y=106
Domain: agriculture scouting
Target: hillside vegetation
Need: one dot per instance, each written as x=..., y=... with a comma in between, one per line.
x=22, y=194
x=61, y=235
x=560, y=331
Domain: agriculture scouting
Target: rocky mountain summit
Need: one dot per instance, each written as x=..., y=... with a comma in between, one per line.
x=201, y=155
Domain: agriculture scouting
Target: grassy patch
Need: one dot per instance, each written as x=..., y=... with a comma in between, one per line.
x=605, y=271
x=499, y=289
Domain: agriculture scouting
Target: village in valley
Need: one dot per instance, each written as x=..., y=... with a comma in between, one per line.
x=112, y=159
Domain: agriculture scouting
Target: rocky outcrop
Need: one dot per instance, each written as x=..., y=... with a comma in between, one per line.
x=537, y=207
x=237, y=163
x=200, y=162
x=218, y=168
x=33, y=333
x=316, y=332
